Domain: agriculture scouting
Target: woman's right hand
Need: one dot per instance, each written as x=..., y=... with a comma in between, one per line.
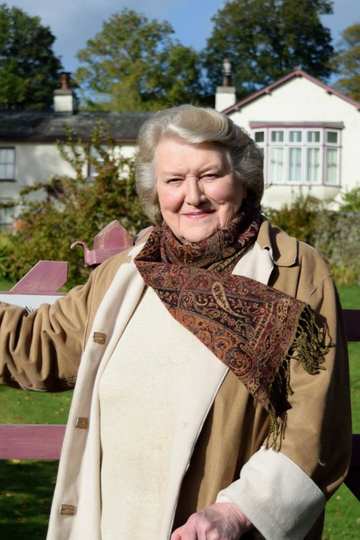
x=220, y=521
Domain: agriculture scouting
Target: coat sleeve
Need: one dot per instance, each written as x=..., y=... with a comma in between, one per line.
x=41, y=350
x=284, y=492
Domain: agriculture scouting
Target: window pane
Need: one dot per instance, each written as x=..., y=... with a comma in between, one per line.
x=7, y=155
x=313, y=136
x=2, y=171
x=313, y=165
x=332, y=137
x=277, y=136
x=276, y=165
x=260, y=136
x=295, y=136
x=295, y=165
x=10, y=172
x=6, y=215
x=332, y=156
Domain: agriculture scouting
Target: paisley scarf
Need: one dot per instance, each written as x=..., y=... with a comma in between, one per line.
x=254, y=329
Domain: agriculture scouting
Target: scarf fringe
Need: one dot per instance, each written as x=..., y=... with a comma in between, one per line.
x=308, y=349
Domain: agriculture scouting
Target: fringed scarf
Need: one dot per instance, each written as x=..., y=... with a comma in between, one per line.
x=254, y=329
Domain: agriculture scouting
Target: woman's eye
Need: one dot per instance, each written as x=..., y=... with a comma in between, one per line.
x=174, y=181
x=210, y=176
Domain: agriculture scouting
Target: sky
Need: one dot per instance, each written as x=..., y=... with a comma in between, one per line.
x=73, y=22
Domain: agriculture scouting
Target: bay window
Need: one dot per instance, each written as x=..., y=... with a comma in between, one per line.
x=300, y=154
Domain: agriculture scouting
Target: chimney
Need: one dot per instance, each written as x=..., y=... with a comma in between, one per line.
x=225, y=95
x=64, y=98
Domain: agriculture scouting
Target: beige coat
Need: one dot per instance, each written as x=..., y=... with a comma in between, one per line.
x=221, y=428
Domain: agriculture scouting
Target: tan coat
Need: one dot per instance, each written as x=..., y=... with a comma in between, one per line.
x=221, y=428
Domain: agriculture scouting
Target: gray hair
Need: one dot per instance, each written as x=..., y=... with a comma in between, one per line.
x=196, y=125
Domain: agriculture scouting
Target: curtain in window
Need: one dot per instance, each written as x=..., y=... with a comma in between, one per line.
x=295, y=165
x=332, y=166
x=277, y=136
x=276, y=165
x=313, y=165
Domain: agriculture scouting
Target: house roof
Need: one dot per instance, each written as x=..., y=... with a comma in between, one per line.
x=293, y=74
x=49, y=126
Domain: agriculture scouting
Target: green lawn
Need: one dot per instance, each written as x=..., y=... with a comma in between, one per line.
x=27, y=486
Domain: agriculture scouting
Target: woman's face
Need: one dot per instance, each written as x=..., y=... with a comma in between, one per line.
x=197, y=189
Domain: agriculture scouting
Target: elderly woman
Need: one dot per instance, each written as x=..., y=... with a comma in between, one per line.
x=212, y=396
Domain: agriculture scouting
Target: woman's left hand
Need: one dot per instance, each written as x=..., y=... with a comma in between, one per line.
x=220, y=521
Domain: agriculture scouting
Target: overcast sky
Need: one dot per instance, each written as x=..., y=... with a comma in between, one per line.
x=73, y=22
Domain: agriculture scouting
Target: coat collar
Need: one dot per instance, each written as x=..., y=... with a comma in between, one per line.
x=283, y=249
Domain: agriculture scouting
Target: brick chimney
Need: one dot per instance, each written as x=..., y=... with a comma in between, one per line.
x=225, y=95
x=64, y=98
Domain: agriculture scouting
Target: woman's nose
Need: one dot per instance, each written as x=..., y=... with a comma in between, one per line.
x=194, y=194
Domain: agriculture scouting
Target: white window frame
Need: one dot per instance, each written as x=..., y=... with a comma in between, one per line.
x=12, y=163
x=322, y=145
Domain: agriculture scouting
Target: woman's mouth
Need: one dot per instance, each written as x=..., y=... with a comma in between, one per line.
x=198, y=215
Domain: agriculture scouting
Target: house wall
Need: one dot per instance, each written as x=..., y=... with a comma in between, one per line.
x=300, y=100
x=37, y=162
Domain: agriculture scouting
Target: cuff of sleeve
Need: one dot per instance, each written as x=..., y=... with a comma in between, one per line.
x=280, y=500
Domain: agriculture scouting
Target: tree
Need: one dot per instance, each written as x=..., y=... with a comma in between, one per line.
x=347, y=62
x=134, y=64
x=264, y=39
x=76, y=208
x=29, y=69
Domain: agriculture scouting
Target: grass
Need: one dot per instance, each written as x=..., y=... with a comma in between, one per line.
x=27, y=486
x=20, y=407
x=25, y=498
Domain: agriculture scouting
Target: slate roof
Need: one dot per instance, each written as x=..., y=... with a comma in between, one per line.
x=49, y=126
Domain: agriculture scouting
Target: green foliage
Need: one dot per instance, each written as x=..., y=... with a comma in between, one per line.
x=134, y=64
x=337, y=238
x=347, y=62
x=29, y=70
x=76, y=208
x=265, y=39
x=297, y=218
x=350, y=200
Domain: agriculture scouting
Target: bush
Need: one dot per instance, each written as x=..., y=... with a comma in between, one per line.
x=298, y=218
x=74, y=209
x=350, y=200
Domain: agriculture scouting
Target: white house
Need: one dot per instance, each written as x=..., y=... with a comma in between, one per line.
x=309, y=134
x=28, y=149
